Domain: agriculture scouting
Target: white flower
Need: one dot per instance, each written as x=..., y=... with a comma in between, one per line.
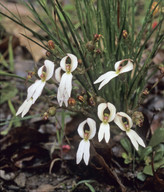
x=65, y=87
x=34, y=91
x=104, y=130
x=119, y=68
x=125, y=125
x=84, y=146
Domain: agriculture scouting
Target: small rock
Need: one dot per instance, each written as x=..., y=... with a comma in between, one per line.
x=20, y=180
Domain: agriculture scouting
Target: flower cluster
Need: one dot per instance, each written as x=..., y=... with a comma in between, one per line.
x=106, y=112
x=45, y=73
x=34, y=91
x=121, y=119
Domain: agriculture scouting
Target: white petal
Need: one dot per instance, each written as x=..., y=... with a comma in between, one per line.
x=62, y=85
x=127, y=67
x=65, y=98
x=27, y=107
x=38, y=91
x=126, y=116
x=117, y=64
x=80, y=129
x=100, y=110
x=119, y=122
x=69, y=84
x=58, y=74
x=80, y=151
x=137, y=138
x=60, y=98
x=92, y=126
x=86, y=151
x=101, y=132
x=112, y=110
x=130, y=134
x=106, y=78
x=22, y=107
x=104, y=131
x=63, y=63
x=40, y=70
x=49, y=69
x=107, y=132
x=74, y=61
x=31, y=90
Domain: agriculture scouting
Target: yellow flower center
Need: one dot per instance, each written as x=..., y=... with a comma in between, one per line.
x=86, y=135
x=68, y=68
x=119, y=68
x=126, y=125
x=43, y=76
x=105, y=118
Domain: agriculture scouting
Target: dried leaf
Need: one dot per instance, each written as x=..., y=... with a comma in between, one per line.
x=23, y=13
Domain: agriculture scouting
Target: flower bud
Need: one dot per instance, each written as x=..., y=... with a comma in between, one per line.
x=71, y=101
x=145, y=92
x=98, y=51
x=51, y=44
x=97, y=37
x=66, y=148
x=90, y=46
x=138, y=118
x=48, y=54
x=81, y=98
x=156, y=10
x=52, y=111
x=45, y=116
x=92, y=101
x=124, y=34
x=155, y=23
x=80, y=61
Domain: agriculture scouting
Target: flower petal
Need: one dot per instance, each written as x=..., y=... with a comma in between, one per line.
x=74, y=61
x=63, y=63
x=101, y=132
x=80, y=151
x=92, y=126
x=117, y=64
x=107, y=132
x=80, y=129
x=138, y=138
x=126, y=116
x=127, y=67
x=118, y=121
x=112, y=110
x=38, y=91
x=49, y=69
x=58, y=74
x=131, y=136
x=27, y=107
x=68, y=84
x=106, y=78
x=60, y=98
x=104, y=132
x=40, y=70
x=86, y=152
x=66, y=98
x=32, y=88
x=100, y=110
x=22, y=107
x=62, y=85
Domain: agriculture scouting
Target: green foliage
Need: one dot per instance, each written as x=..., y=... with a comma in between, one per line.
x=157, y=138
x=72, y=34
x=87, y=183
x=152, y=155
